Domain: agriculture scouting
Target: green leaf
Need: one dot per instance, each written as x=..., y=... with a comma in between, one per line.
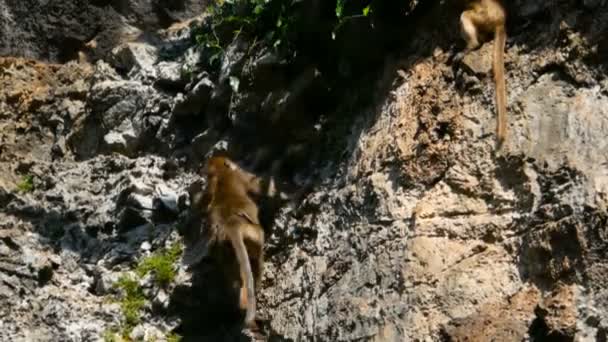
x=26, y=184
x=366, y=10
x=258, y=9
x=215, y=57
x=339, y=8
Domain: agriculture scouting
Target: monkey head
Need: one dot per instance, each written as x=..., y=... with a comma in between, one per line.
x=216, y=165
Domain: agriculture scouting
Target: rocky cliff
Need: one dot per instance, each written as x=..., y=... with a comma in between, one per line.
x=413, y=227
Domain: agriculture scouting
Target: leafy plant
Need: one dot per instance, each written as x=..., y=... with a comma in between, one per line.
x=342, y=18
x=161, y=265
x=110, y=335
x=268, y=21
x=26, y=184
x=132, y=300
x=186, y=72
x=340, y=8
x=173, y=337
x=366, y=10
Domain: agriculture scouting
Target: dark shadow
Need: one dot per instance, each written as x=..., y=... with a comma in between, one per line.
x=540, y=332
x=210, y=306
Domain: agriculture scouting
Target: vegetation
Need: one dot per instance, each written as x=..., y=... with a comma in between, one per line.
x=161, y=265
x=273, y=23
x=288, y=27
x=342, y=17
x=186, y=72
x=110, y=335
x=263, y=21
x=26, y=184
x=132, y=300
x=173, y=338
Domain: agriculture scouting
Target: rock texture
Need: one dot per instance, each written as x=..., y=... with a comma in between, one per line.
x=413, y=227
x=57, y=30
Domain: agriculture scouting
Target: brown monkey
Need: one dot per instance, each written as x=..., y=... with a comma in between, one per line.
x=480, y=19
x=234, y=216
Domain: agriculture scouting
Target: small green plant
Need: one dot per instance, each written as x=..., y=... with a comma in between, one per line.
x=161, y=265
x=110, y=335
x=268, y=21
x=132, y=298
x=131, y=302
x=340, y=8
x=342, y=18
x=26, y=184
x=366, y=10
x=173, y=337
x=186, y=72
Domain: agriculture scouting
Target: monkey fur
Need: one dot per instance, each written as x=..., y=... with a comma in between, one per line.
x=233, y=216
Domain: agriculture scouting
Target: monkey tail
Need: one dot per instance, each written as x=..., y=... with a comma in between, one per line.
x=499, y=79
x=238, y=244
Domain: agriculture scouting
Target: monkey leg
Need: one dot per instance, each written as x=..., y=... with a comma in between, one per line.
x=468, y=29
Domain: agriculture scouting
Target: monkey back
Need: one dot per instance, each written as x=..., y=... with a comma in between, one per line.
x=231, y=201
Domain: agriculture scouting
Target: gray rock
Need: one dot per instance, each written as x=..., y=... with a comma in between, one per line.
x=104, y=281
x=115, y=101
x=146, y=332
x=138, y=333
x=136, y=59
x=104, y=72
x=167, y=198
x=145, y=246
x=591, y=4
x=531, y=8
x=161, y=301
x=196, y=100
x=233, y=61
x=203, y=142
x=129, y=113
x=478, y=62
x=123, y=141
x=170, y=74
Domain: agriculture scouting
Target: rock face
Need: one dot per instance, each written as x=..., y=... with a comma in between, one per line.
x=412, y=227
x=57, y=30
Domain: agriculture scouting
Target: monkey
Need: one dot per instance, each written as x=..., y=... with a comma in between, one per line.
x=233, y=215
x=82, y=57
x=85, y=55
x=477, y=21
